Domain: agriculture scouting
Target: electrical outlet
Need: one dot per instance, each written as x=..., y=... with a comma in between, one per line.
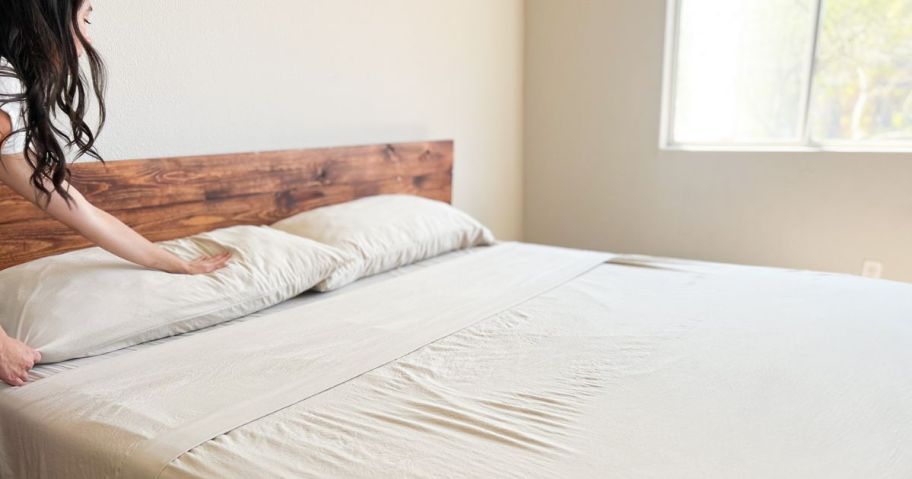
x=872, y=269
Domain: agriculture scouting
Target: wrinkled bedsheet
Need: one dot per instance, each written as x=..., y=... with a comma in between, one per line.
x=630, y=367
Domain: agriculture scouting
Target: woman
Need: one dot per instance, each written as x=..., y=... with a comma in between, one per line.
x=40, y=45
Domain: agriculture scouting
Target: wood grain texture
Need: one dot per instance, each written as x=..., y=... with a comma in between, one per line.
x=174, y=197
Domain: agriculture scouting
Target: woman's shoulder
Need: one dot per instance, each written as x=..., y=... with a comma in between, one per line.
x=9, y=81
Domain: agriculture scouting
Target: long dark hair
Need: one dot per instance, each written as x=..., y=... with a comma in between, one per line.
x=37, y=39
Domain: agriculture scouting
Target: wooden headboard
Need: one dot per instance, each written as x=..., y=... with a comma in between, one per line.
x=174, y=197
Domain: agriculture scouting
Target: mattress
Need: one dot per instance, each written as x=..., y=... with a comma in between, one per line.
x=516, y=360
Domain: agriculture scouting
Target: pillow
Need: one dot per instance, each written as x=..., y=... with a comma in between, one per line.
x=386, y=231
x=90, y=302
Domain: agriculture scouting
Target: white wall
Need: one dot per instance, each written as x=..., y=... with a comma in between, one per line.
x=595, y=177
x=218, y=76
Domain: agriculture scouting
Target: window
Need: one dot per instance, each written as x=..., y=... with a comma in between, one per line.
x=825, y=74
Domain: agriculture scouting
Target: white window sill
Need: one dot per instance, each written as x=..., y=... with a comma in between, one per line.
x=879, y=150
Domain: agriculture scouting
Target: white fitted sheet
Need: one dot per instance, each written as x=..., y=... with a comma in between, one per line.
x=640, y=368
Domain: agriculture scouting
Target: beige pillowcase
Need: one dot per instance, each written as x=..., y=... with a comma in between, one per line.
x=90, y=302
x=385, y=232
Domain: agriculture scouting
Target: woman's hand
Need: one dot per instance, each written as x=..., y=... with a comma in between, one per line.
x=16, y=359
x=207, y=264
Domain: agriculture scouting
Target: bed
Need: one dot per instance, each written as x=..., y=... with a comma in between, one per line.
x=509, y=360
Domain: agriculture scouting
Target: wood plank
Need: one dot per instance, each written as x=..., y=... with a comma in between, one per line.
x=176, y=197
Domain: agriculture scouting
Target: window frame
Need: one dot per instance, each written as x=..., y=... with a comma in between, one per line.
x=804, y=144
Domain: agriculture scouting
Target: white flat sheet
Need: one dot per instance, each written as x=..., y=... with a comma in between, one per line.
x=641, y=368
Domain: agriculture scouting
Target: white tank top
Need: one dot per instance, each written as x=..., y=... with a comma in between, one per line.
x=15, y=144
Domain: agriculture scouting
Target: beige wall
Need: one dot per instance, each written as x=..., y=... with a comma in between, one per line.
x=595, y=177
x=213, y=76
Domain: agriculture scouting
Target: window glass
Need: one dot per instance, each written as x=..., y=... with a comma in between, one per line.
x=742, y=69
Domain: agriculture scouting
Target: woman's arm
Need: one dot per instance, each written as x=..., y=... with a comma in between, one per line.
x=100, y=227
